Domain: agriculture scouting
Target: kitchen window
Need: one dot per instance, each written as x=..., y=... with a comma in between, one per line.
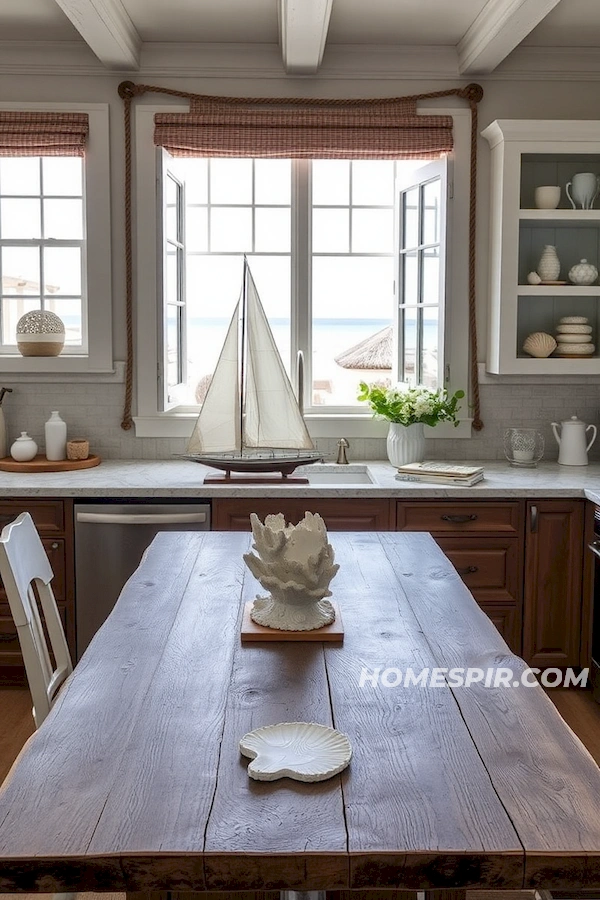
x=55, y=247
x=349, y=264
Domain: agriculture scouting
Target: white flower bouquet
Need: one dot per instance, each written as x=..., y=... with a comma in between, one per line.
x=407, y=405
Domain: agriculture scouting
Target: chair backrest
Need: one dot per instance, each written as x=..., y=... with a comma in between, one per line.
x=23, y=563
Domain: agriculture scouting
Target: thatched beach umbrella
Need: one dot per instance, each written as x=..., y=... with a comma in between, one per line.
x=375, y=352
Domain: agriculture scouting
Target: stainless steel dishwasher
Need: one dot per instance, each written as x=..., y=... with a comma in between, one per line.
x=110, y=539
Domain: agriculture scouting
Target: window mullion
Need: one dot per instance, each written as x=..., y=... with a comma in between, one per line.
x=301, y=312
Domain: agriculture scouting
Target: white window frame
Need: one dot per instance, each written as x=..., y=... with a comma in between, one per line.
x=150, y=422
x=98, y=275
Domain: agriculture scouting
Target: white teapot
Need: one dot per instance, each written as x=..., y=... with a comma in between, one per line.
x=572, y=441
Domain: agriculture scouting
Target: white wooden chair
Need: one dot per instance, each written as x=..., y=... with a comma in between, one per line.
x=23, y=563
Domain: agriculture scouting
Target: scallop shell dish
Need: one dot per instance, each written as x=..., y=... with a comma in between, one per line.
x=40, y=333
x=539, y=344
x=303, y=751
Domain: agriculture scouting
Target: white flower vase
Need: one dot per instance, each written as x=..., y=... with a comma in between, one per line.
x=405, y=443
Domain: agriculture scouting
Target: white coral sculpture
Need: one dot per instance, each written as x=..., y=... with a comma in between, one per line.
x=296, y=564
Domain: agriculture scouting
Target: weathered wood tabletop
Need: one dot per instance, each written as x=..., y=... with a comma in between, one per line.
x=135, y=781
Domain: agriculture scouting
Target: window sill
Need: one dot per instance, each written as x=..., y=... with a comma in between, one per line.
x=58, y=369
x=179, y=425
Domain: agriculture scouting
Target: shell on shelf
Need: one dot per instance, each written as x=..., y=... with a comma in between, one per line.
x=539, y=344
x=534, y=278
x=303, y=751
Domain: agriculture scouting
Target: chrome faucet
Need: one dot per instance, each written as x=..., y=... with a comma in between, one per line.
x=342, y=459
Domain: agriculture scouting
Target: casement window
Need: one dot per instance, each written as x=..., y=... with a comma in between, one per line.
x=55, y=232
x=349, y=259
x=332, y=274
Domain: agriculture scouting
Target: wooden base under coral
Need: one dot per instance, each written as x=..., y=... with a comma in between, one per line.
x=251, y=631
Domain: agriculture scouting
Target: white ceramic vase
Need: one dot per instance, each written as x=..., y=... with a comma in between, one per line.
x=549, y=264
x=405, y=443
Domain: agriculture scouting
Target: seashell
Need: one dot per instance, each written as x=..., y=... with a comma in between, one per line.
x=539, y=344
x=303, y=751
x=583, y=273
x=574, y=329
x=573, y=320
x=534, y=278
x=576, y=349
x=574, y=338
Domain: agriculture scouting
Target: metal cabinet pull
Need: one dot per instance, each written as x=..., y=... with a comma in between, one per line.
x=54, y=545
x=534, y=519
x=595, y=548
x=468, y=570
x=8, y=638
x=459, y=519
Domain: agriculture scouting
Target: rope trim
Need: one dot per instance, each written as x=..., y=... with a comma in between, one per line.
x=128, y=91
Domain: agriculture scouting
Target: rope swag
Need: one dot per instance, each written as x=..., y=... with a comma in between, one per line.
x=376, y=118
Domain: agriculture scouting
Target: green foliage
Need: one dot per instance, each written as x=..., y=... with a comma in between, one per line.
x=409, y=405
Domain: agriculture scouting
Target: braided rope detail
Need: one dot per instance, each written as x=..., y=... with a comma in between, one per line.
x=128, y=91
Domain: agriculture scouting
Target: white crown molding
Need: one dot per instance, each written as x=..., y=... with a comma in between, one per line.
x=357, y=63
x=349, y=61
x=107, y=29
x=303, y=26
x=497, y=31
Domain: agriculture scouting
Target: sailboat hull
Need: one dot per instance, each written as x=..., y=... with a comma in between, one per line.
x=281, y=462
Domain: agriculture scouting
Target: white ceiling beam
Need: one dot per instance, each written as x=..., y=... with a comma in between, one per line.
x=107, y=30
x=497, y=30
x=303, y=26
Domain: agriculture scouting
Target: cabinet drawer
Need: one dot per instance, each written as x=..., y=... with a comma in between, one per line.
x=458, y=517
x=488, y=566
x=57, y=555
x=507, y=619
x=10, y=650
x=47, y=515
x=339, y=514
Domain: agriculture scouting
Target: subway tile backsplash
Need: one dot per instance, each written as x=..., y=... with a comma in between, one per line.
x=94, y=411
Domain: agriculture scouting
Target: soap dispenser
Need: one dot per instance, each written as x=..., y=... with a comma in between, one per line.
x=56, y=437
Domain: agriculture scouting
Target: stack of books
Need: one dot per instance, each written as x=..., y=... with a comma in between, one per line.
x=440, y=473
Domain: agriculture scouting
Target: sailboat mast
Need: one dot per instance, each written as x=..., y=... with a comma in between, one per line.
x=243, y=352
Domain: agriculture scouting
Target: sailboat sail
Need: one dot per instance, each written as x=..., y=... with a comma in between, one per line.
x=217, y=427
x=272, y=416
x=250, y=403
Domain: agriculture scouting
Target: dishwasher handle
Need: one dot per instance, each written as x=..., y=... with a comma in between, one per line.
x=142, y=518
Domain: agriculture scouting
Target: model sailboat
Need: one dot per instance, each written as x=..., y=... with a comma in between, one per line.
x=250, y=420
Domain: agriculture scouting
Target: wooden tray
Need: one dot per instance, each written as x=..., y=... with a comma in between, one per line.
x=251, y=631
x=41, y=464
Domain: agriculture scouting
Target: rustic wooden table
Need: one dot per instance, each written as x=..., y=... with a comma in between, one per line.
x=135, y=781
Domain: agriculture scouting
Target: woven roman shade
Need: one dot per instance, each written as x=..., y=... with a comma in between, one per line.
x=306, y=129
x=31, y=133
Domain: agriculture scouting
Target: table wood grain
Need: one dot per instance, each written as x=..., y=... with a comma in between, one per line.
x=135, y=781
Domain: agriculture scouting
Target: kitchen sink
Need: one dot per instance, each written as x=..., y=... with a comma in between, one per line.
x=336, y=475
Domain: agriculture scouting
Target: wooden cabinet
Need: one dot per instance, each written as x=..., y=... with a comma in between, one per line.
x=54, y=521
x=553, y=582
x=484, y=542
x=525, y=155
x=339, y=514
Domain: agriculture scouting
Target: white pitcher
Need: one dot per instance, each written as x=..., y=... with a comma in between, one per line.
x=584, y=190
x=572, y=441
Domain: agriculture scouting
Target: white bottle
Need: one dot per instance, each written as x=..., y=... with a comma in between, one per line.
x=56, y=437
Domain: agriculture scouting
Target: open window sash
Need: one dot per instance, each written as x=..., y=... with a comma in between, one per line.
x=172, y=370
x=422, y=198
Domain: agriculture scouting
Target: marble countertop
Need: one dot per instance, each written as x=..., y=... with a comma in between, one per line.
x=181, y=478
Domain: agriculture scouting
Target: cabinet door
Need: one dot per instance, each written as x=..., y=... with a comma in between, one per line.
x=553, y=582
x=506, y=618
x=339, y=514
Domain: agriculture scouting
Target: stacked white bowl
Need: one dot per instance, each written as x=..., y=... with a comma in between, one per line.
x=574, y=337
